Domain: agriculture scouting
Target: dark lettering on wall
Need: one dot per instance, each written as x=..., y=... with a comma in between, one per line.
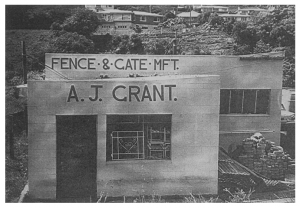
x=134, y=93
x=170, y=90
x=91, y=63
x=142, y=63
x=146, y=94
x=128, y=64
x=174, y=60
x=74, y=63
x=114, y=93
x=164, y=63
x=160, y=94
x=96, y=92
x=80, y=66
x=157, y=63
x=120, y=68
x=64, y=63
x=54, y=61
x=134, y=63
x=72, y=94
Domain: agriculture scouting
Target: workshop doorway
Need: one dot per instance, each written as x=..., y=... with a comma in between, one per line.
x=76, y=156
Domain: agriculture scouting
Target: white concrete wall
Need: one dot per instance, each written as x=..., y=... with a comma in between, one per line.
x=193, y=167
x=235, y=73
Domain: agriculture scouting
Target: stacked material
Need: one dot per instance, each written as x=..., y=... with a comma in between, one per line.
x=233, y=175
x=262, y=156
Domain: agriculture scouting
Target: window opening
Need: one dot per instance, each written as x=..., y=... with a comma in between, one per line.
x=248, y=101
x=142, y=18
x=138, y=137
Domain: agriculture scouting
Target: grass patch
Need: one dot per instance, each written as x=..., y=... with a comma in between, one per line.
x=16, y=169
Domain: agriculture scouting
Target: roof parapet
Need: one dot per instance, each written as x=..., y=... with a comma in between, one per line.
x=264, y=56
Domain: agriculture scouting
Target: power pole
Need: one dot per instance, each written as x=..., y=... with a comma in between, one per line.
x=25, y=82
x=24, y=62
x=190, y=16
x=175, y=43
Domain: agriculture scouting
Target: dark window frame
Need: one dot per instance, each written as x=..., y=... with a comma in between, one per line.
x=240, y=107
x=156, y=19
x=143, y=18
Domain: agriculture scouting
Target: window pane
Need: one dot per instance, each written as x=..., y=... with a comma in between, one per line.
x=236, y=101
x=249, y=101
x=262, y=103
x=224, y=101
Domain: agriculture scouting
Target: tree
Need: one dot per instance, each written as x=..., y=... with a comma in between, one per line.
x=215, y=20
x=227, y=26
x=168, y=15
x=157, y=47
x=84, y=22
x=245, y=34
x=203, y=17
x=68, y=42
x=135, y=45
x=278, y=27
x=125, y=44
x=289, y=68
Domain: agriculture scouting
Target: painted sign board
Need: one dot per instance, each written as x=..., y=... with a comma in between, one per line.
x=129, y=93
x=102, y=62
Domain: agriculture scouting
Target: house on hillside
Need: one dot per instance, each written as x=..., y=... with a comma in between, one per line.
x=146, y=20
x=245, y=14
x=236, y=17
x=121, y=21
x=97, y=8
x=217, y=9
x=251, y=10
x=189, y=17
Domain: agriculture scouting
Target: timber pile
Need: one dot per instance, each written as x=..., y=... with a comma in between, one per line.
x=263, y=157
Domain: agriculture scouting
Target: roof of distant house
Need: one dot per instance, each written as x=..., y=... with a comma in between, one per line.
x=146, y=14
x=212, y=6
x=188, y=14
x=114, y=11
x=117, y=11
x=234, y=15
x=253, y=9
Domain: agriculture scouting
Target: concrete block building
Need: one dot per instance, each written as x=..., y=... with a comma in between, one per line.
x=127, y=124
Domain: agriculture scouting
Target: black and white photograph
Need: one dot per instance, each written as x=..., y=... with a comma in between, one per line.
x=150, y=102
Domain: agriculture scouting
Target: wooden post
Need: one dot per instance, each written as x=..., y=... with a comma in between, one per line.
x=11, y=138
x=24, y=62
x=175, y=43
x=190, y=17
x=25, y=82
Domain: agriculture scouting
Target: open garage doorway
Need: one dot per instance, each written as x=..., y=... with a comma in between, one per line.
x=76, y=156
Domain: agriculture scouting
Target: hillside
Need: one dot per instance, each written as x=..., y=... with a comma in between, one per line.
x=194, y=42
x=197, y=41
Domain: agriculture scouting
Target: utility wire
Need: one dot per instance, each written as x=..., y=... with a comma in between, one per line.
x=53, y=70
